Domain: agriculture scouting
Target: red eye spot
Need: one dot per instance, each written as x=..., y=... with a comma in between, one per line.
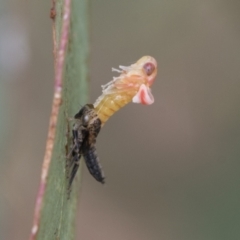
x=148, y=68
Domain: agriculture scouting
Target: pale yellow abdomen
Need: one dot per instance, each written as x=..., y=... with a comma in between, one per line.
x=111, y=103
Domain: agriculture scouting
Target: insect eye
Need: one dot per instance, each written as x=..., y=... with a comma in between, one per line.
x=85, y=119
x=148, y=68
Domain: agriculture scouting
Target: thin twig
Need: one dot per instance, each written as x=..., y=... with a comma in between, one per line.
x=57, y=99
x=53, y=16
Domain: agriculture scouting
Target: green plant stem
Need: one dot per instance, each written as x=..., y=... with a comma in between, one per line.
x=55, y=211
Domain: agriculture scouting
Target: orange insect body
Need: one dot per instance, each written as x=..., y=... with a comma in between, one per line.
x=133, y=84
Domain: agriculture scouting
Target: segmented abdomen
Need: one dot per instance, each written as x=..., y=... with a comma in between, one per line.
x=111, y=103
x=93, y=165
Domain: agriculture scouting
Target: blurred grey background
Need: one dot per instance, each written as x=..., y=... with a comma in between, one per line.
x=172, y=168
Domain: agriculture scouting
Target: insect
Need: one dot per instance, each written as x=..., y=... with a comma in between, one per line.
x=133, y=84
x=85, y=130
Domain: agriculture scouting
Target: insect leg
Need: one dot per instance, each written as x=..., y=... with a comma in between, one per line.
x=76, y=152
x=73, y=172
